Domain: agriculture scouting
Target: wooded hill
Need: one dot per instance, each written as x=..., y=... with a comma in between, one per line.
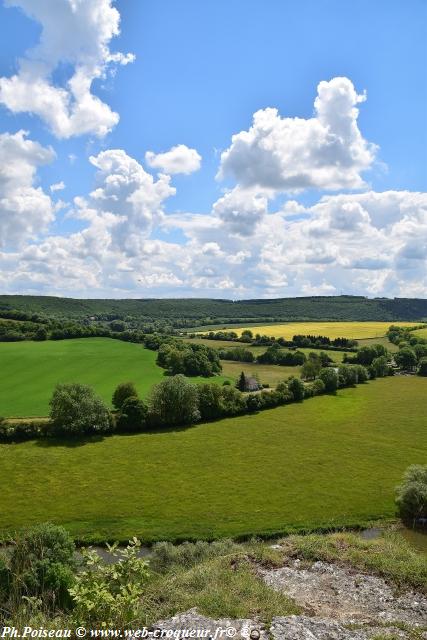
x=206, y=310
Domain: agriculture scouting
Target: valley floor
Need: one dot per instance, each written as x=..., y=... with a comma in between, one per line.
x=332, y=461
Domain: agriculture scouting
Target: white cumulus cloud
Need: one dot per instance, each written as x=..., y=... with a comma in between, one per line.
x=25, y=209
x=326, y=151
x=127, y=202
x=179, y=159
x=75, y=34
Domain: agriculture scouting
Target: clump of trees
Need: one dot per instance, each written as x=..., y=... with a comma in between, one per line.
x=275, y=354
x=411, y=495
x=189, y=359
x=238, y=354
x=75, y=409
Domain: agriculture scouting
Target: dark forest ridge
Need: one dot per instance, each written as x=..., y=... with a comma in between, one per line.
x=352, y=308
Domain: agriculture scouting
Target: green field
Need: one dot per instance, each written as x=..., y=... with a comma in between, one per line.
x=328, y=461
x=421, y=333
x=356, y=330
x=266, y=373
x=29, y=371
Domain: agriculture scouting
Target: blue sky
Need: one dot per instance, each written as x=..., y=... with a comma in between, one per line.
x=200, y=73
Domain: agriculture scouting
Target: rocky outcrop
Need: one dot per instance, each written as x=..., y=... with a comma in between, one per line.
x=328, y=591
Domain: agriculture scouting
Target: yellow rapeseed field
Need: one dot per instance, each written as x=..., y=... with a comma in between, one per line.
x=356, y=330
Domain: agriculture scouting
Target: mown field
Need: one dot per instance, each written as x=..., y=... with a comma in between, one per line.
x=356, y=330
x=330, y=461
x=422, y=333
x=29, y=371
x=266, y=373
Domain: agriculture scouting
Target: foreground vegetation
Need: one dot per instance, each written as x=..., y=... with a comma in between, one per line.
x=331, y=461
x=220, y=580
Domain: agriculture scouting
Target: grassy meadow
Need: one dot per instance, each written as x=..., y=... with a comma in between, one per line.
x=29, y=371
x=330, y=461
x=355, y=330
x=422, y=333
x=270, y=374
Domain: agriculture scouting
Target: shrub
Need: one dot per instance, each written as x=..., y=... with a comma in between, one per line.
x=347, y=375
x=75, y=410
x=123, y=391
x=411, y=495
x=422, y=368
x=24, y=430
x=133, y=416
x=109, y=595
x=329, y=378
x=253, y=402
x=210, y=401
x=380, y=367
x=233, y=401
x=361, y=372
x=174, y=401
x=318, y=387
x=42, y=564
x=296, y=387
x=405, y=358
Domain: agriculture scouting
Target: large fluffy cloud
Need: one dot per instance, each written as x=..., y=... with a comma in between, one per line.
x=127, y=202
x=240, y=210
x=179, y=159
x=75, y=33
x=25, y=209
x=326, y=151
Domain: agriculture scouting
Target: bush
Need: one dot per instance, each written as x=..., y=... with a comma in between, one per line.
x=422, y=368
x=406, y=359
x=361, y=372
x=233, y=401
x=174, y=401
x=253, y=402
x=411, y=495
x=123, y=391
x=24, y=430
x=210, y=401
x=296, y=387
x=347, y=375
x=133, y=415
x=329, y=378
x=76, y=410
x=42, y=565
x=109, y=595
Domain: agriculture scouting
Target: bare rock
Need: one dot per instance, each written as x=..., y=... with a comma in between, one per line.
x=305, y=628
x=223, y=629
x=328, y=591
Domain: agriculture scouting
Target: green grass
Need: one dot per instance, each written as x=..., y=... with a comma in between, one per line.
x=421, y=333
x=267, y=373
x=389, y=556
x=330, y=461
x=29, y=371
x=368, y=342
